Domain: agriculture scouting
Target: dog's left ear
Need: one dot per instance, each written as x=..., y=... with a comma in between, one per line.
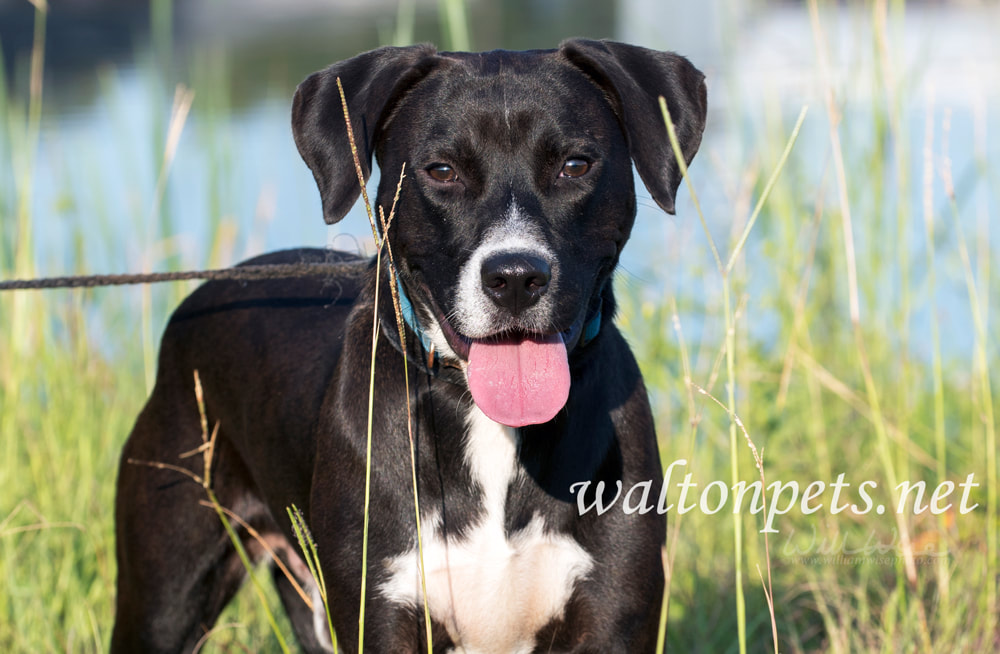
x=634, y=78
x=372, y=82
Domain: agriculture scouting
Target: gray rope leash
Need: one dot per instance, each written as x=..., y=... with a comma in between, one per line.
x=243, y=273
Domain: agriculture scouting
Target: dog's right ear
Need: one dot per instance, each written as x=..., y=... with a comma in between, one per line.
x=372, y=83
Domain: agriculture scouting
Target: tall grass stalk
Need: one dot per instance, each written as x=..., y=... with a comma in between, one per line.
x=368, y=445
x=223, y=517
x=401, y=329
x=371, y=377
x=741, y=620
x=23, y=152
x=248, y=565
x=455, y=24
x=309, y=552
x=887, y=70
x=24, y=249
x=406, y=12
x=937, y=371
x=183, y=98
x=379, y=243
x=768, y=187
x=759, y=462
x=986, y=393
x=670, y=553
x=161, y=28
x=883, y=447
x=799, y=312
x=725, y=273
x=207, y=451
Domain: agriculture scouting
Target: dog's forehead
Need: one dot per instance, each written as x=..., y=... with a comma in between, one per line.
x=533, y=77
x=496, y=62
x=505, y=95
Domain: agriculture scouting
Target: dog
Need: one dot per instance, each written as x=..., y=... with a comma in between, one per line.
x=517, y=197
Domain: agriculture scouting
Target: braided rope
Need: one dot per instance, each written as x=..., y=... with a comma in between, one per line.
x=245, y=273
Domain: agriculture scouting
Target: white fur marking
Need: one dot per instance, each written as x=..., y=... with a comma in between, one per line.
x=438, y=340
x=301, y=572
x=319, y=617
x=492, y=593
x=476, y=316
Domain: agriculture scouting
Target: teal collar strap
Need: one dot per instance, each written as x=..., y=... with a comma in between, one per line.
x=410, y=318
x=592, y=329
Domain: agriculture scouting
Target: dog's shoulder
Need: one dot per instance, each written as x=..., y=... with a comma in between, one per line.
x=339, y=285
x=240, y=321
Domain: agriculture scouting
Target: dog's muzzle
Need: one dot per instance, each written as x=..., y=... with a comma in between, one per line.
x=501, y=330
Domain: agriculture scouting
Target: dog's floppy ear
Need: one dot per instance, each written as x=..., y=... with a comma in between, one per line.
x=633, y=79
x=372, y=82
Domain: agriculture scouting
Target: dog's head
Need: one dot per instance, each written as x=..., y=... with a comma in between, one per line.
x=518, y=195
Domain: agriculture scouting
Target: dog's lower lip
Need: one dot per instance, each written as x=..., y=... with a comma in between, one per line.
x=460, y=344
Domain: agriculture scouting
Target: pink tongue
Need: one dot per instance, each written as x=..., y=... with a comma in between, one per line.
x=519, y=382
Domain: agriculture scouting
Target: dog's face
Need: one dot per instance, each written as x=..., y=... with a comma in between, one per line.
x=518, y=195
x=510, y=221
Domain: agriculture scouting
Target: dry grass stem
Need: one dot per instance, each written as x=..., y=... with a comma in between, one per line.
x=854, y=303
x=207, y=449
x=267, y=548
x=758, y=459
x=381, y=242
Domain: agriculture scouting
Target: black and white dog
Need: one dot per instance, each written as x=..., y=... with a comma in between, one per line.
x=517, y=201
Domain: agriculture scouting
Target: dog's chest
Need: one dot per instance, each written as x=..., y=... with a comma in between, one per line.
x=491, y=591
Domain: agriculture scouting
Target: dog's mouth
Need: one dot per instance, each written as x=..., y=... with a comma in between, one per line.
x=516, y=377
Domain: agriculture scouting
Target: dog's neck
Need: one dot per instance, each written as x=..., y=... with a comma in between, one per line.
x=410, y=318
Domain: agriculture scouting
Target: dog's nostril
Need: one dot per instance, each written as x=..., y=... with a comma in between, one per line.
x=537, y=283
x=515, y=280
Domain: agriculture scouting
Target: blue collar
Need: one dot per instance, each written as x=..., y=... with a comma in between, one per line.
x=590, y=331
x=410, y=317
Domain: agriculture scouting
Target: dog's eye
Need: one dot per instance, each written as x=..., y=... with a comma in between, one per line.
x=574, y=168
x=442, y=173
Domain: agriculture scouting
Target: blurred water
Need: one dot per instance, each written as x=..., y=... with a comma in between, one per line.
x=236, y=162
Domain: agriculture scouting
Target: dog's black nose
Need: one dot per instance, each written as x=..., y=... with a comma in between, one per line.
x=515, y=280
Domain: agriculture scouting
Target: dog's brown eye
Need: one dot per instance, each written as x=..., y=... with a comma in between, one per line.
x=442, y=173
x=574, y=168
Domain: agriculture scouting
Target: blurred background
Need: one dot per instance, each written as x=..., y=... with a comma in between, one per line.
x=155, y=135
x=236, y=186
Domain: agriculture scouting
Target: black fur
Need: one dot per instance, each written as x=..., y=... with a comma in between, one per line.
x=285, y=364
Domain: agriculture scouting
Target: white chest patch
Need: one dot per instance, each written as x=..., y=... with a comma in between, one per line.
x=492, y=593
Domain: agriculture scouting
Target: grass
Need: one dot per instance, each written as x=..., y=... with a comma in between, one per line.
x=725, y=272
x=844, y=361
